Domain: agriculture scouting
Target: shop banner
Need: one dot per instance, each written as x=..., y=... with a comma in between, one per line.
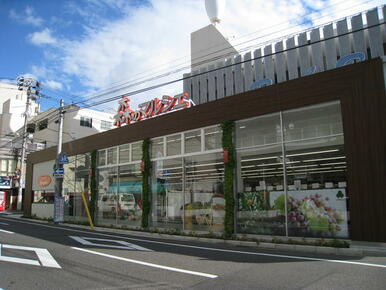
x=42, y=176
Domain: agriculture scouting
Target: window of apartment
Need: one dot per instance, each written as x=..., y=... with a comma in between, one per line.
x=43, y=124
x=106, y=125
x=86, y=122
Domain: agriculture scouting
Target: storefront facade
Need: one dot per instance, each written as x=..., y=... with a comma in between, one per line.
x=319, y=140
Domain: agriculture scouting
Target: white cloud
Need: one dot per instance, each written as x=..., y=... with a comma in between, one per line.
x=156, y=37
x=53, y=84
x=27, y=16
x=42, y=37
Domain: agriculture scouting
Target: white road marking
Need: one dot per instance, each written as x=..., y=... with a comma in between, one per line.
x=212, y=249
x=4, y=231
x=4, y=225
x=45, y=258
x=124, y=245
x=148, y=264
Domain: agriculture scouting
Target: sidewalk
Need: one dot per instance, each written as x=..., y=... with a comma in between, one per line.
x=358, y=249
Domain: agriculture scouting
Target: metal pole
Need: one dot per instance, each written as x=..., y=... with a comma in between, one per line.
x=23, y=147
x=59, y=181
x=58, y=200
x=284, y=174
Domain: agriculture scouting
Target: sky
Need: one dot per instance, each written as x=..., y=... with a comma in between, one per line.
x=89, y=50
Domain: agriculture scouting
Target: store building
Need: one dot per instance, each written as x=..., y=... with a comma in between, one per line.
x=318, y=139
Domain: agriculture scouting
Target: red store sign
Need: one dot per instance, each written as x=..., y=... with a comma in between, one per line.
x=126, y=115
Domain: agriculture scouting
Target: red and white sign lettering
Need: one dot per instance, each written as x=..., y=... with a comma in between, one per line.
x=125, y=115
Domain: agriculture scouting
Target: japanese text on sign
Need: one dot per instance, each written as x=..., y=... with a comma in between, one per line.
x=126, y=115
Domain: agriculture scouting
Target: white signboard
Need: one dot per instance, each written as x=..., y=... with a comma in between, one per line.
x=42, y=176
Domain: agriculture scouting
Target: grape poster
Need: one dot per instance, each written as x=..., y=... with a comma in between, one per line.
x=319, y=212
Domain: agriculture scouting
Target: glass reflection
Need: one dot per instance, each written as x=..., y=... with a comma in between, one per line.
x=168, y=200
x=204, y=193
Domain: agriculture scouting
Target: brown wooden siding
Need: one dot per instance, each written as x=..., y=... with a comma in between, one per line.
x=359, y=87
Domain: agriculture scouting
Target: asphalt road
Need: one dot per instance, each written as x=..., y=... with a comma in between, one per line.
x=77, y=258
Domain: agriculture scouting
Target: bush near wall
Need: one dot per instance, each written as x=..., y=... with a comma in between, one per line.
x=146, y=190
x=229, y=167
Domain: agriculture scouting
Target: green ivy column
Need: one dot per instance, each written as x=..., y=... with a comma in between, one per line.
x=93, y=185
x=229, y=166
x=146, y=190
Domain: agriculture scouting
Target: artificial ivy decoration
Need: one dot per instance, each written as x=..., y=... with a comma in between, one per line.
x=229, y=166
x=93, y=184
x=146, y=190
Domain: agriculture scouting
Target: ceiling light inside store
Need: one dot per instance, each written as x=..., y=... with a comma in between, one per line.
x=312, y=153
x=334, y=163
x=257, y=159
x=321, y=159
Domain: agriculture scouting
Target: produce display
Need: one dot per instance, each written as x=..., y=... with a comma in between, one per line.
x=313, y=213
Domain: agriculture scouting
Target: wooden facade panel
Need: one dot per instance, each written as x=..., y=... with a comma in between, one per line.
x=280, y=62
x=196, y=88
x=203, y=85
x=269, y=68
x=316, y=50
x=304, y=61
x=229, y=79
x=358, y=37
x=239, y=80
x=248, y=71
x=343, y=38
x=211, y=83
x=375, y=37
x=329, y=46
x=258, y=64
x=188, y=84
x=292, y=59
x=220, y=80
x=359, y=87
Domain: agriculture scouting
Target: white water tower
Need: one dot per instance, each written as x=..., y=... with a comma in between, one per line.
x=214, y=9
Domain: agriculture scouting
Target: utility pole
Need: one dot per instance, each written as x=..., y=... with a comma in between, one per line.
x=59, y=200
x=32, y=88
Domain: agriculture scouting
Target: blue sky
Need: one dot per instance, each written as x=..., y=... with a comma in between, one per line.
x=79, y=48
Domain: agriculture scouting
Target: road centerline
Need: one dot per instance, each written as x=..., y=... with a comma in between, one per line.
x=148, y=264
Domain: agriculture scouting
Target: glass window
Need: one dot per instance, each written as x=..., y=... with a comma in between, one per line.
x=193, y=141
x=43, y=124
x=261, y=177
x=106, y=125
x=316, y=172
x=112, y=156
x=312, y=122
x=213, y=138
x=260, y=131
x=136, y=151
x=101, y=157
x=124, y=153
x=129, y=199
x=157, y=148
x=204, y=193
x=107, y=195
x=173, y=145
x=167, y=189
x=85, y=122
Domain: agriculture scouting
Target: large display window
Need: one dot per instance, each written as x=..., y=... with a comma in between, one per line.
x=292, y=173
x=260, y=171
x=187, y=189
x=120, y=186
x=167, y=189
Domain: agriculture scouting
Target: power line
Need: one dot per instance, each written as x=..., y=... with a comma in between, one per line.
x=230, y=65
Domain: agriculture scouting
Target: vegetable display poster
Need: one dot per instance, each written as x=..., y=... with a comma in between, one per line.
x=319, y=210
